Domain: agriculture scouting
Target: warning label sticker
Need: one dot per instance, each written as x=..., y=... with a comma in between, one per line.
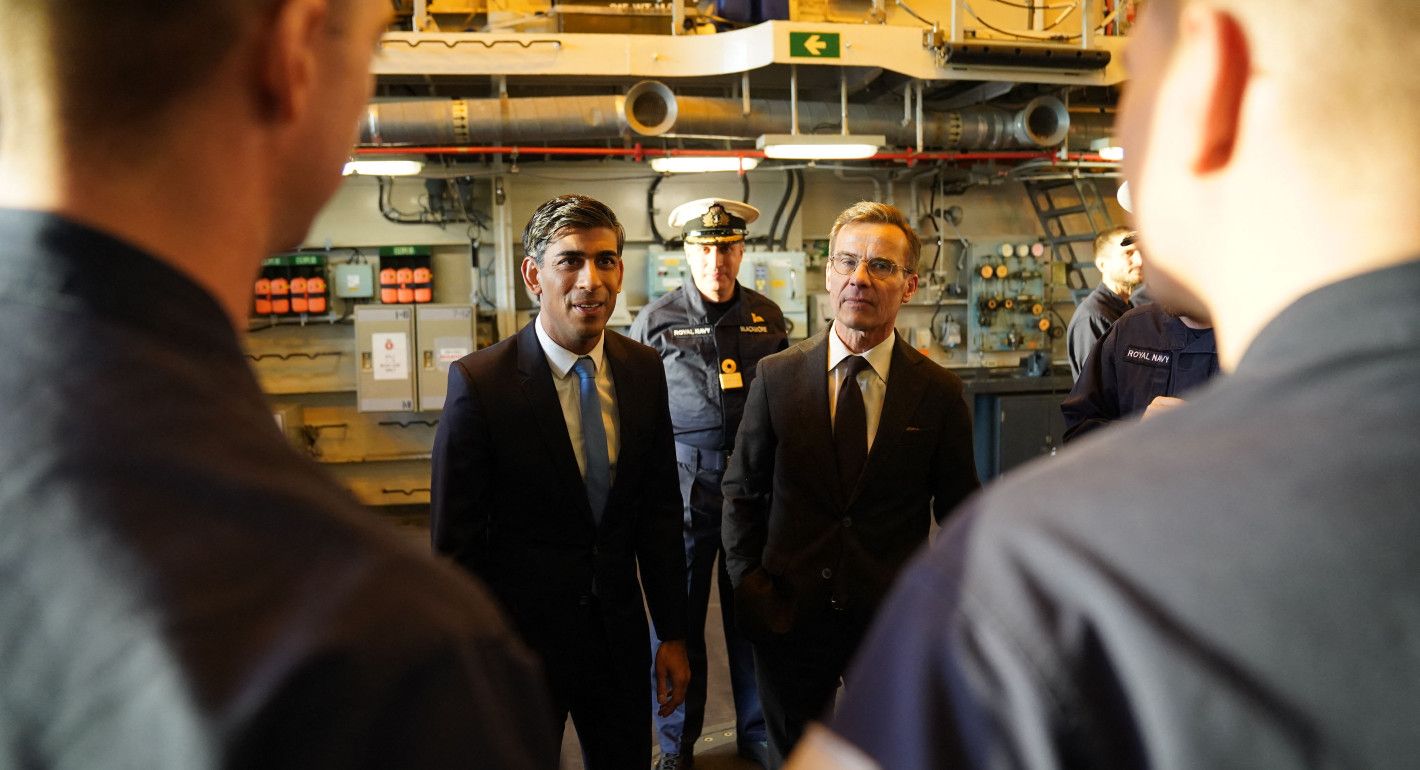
x=391, y=355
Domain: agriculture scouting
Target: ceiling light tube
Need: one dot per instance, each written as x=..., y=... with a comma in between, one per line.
x=1107, y=148
x=691, y=164
x=820, y=146
x=383, y=167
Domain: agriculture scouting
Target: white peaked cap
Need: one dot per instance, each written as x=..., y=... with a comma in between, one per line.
x=695, y=209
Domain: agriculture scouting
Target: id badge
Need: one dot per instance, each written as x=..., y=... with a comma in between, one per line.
x=730, y=377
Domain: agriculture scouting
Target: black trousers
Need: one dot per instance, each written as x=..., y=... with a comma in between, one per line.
x=705, y=562
x=799, y=673
x=605, y=696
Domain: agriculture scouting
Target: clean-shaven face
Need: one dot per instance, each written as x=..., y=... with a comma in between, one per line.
x=713, y=267
x=860, y=301
x=577, y=283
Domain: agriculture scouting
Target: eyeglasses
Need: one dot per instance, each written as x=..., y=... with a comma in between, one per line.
x=879, y=268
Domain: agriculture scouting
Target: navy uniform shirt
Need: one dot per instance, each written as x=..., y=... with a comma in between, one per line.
x=182, y=589
x=1239, y=589
x=1145, y=354
x=1093, y=317
x=696, y=349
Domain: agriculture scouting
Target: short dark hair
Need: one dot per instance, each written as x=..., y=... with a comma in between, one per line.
x=884, y=214
x=567, y=212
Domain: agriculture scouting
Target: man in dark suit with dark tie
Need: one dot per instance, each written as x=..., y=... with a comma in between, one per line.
x=554, y=480
x=850, y=441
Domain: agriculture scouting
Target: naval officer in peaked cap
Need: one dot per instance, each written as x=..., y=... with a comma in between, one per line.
x=711, y=334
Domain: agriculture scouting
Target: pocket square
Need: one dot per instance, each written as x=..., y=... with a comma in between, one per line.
x=913, y=429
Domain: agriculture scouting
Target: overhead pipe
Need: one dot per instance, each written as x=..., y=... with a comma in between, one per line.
x=1041, y=123
x=641, y=153
x=793, y=99
x=650, y=109
x=1086, y=127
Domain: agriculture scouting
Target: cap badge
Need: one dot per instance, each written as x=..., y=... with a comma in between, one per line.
x=715, y=217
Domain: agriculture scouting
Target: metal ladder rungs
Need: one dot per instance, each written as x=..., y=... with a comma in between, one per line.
x=1065, y=212
x=1053, y=184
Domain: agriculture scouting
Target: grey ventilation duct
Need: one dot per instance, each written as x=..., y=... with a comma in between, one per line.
x=650, y=109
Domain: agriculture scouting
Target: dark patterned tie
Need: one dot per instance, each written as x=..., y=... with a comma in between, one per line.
x=594, y=449
x=850, y=424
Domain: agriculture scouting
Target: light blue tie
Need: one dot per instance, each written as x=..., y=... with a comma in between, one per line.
x=594, y=450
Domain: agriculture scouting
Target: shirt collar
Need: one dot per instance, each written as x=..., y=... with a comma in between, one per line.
x=561, y=359
x=879, y=356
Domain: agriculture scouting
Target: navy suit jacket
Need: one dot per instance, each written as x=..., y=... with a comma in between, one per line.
x=509, y=504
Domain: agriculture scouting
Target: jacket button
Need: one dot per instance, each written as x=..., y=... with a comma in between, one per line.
x=827, y=573
x=847, y=521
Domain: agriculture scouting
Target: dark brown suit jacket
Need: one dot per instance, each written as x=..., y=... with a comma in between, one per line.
x=799, y=541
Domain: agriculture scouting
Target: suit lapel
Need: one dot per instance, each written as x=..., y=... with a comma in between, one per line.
x=904, y=391
x=536, y=378
x=813, y=410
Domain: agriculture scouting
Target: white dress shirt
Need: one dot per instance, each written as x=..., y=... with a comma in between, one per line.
x=569, y=394
x=872, y=380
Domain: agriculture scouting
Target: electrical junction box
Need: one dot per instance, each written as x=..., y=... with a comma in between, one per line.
x=443, y=334
x=354, y=280
x=920, y=337
x=620, y=319
x=665, y=272
x=384, y=345
x=779, y=275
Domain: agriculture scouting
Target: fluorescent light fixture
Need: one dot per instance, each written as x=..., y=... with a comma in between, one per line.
x=1107, y=149
x=820, y=146
x=384, y=167
x=690, y=164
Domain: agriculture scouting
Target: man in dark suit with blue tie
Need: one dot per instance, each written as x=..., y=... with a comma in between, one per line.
x=850, y=441
x=554, y=480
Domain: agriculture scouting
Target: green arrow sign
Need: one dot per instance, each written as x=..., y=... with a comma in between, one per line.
x=814, y=45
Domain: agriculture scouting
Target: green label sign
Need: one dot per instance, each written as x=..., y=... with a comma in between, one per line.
x=814, y=45
x=404, y=251
x=294, y=260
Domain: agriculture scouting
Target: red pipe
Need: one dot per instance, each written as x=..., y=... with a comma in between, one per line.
x=638, y=152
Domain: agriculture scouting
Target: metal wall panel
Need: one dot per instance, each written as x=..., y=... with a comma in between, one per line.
x=444, y=334
x=384, y=342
